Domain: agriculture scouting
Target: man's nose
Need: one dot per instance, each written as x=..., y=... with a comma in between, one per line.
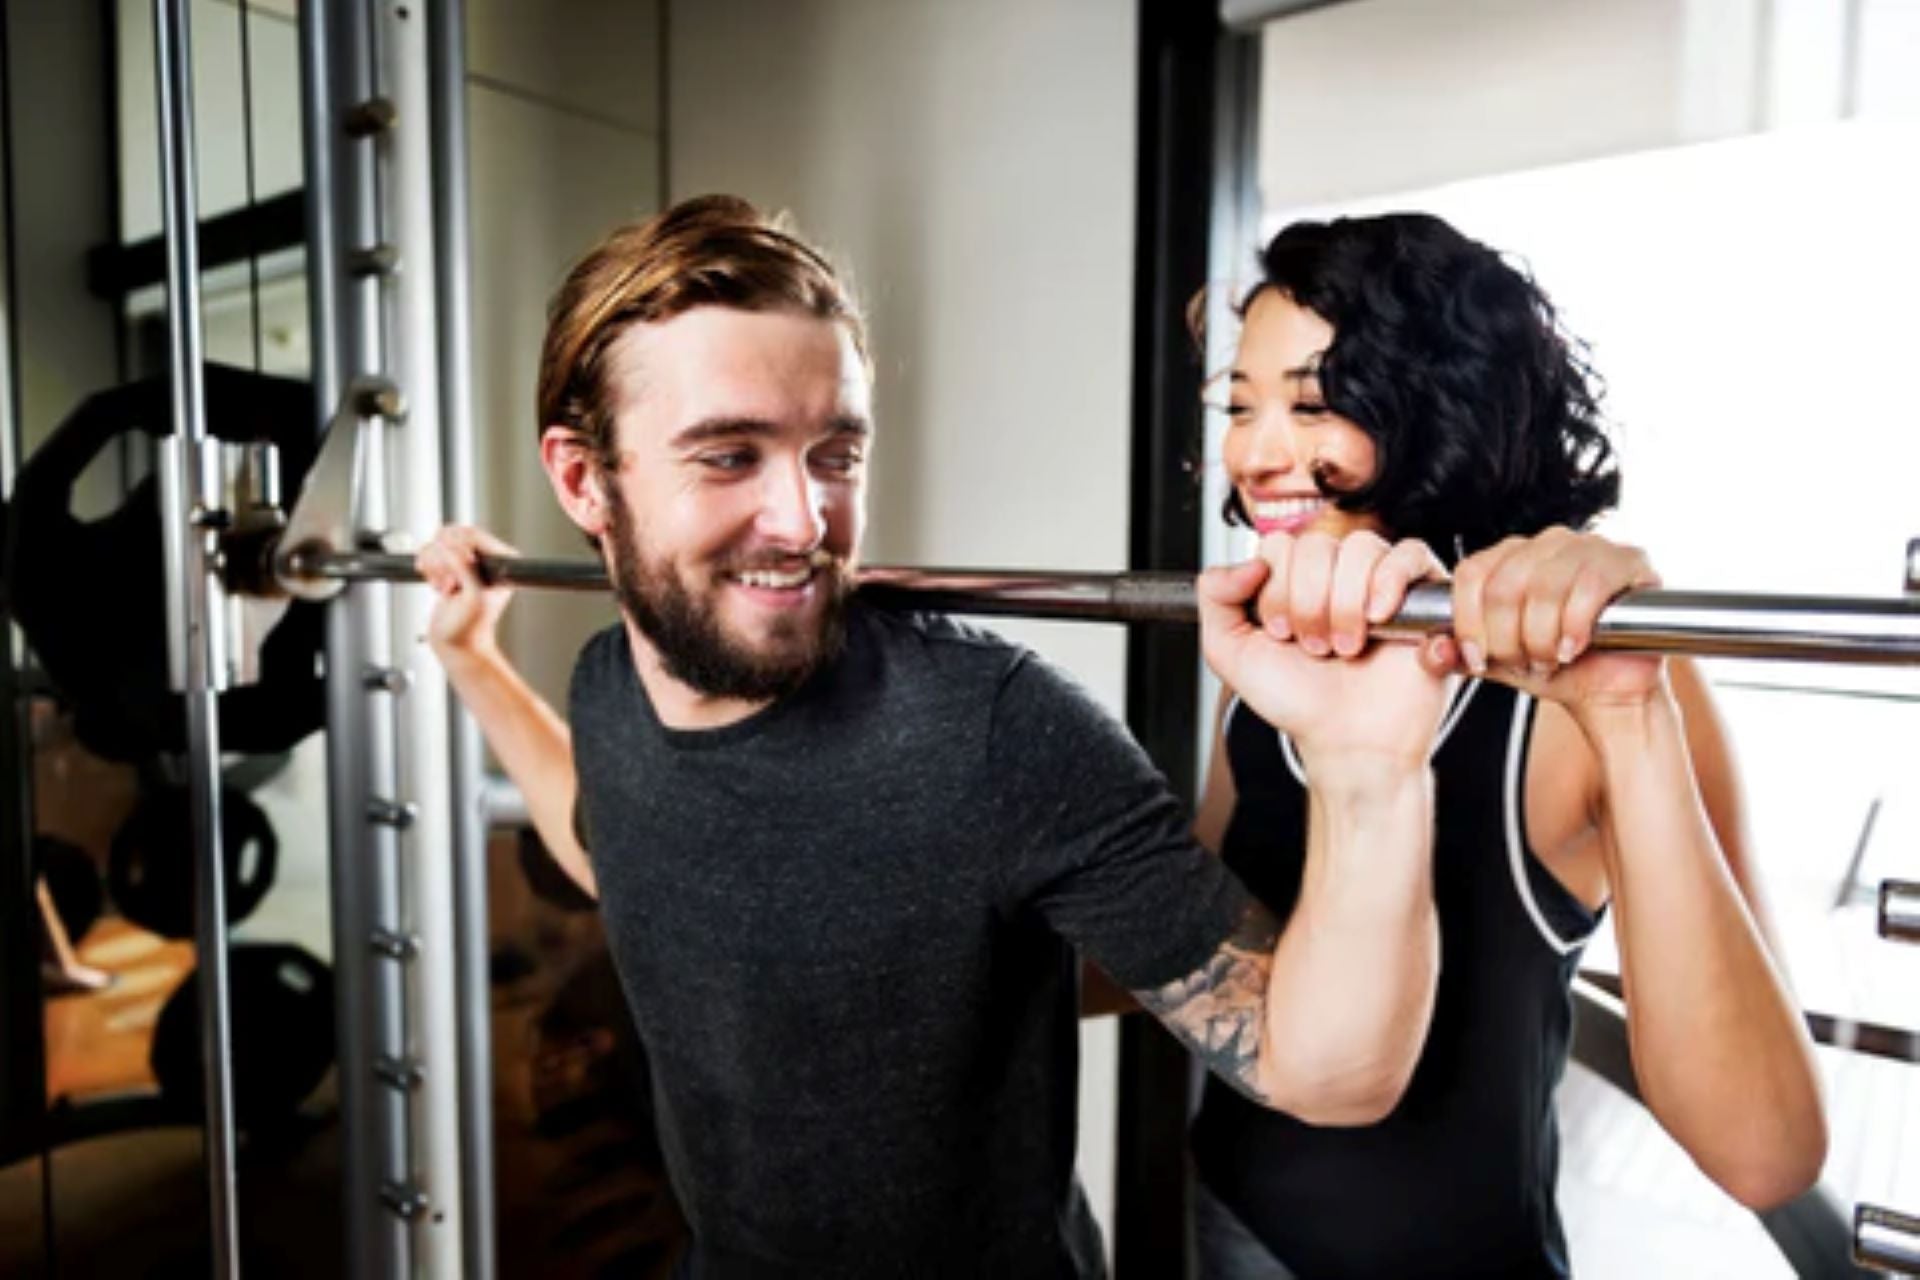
x=793, y=512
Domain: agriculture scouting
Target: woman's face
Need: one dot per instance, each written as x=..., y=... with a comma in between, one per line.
x=1281, y=437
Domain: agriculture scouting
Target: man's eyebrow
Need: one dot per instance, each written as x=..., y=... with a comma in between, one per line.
x=729, y=427
x=707, y=430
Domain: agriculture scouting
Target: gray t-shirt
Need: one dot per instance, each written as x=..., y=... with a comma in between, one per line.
x=846, y=928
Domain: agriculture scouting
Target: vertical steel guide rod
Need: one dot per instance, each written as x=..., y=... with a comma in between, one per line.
x=191, y=491
x=447, y=89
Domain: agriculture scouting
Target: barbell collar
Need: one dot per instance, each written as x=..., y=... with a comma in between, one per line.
x=1886, y=1240
x=1900, y=910
x=1715, y=624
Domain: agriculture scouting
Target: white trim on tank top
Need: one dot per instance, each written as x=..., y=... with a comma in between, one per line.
x=1459, y=695
x=1516, y=844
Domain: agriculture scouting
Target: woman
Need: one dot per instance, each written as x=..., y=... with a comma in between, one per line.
x=1395, y=380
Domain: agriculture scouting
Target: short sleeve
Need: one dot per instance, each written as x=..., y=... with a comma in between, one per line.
x=1091, y=837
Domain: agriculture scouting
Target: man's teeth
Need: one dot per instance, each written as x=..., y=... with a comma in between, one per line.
x=776, y=580
x=1287, y=508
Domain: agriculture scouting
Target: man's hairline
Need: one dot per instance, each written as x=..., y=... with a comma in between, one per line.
x=620, y=396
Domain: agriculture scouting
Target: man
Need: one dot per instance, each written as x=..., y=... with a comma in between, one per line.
x=844, y=856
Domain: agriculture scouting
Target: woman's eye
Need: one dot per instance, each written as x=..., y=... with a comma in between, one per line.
x=1309, y=409
x=1239, y=411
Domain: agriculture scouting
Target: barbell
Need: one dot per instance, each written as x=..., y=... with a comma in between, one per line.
x=1720, y=624
x=95, y=618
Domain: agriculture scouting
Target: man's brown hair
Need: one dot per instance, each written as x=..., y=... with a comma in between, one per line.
x=708, y=251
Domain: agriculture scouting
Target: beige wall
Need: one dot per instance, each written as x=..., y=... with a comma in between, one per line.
x=974, y=165
x=62, y=207
x=565, y=137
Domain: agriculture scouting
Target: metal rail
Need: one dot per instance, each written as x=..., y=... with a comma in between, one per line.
x=452, y=274
x=1863, y=630
x=191, y=502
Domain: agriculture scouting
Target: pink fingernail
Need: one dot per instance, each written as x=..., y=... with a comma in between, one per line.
x=1475, y=660
x=1569, y=649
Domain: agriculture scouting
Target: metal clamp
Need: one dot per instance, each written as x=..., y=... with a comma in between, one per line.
x=374, y=260
x=325, y=517
x=404, y=1200
x=1900, y=910
x=1887, y=1240
x=394, y=680
x=403, y=1074
x=377, y=398
x=393, y=945
x=366, y=119
x=398, y=814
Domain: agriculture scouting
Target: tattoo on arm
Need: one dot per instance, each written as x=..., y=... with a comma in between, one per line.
x=1219, y=1010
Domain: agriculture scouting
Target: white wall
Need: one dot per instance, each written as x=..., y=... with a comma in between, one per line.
x=219, y=109
x=974, y=165
x=1377, y=96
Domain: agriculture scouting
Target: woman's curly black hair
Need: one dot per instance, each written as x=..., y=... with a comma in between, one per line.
x=1483, y=412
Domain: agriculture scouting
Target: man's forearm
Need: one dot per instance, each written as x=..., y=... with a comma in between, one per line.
x=1325, y=1019
x=532, y=744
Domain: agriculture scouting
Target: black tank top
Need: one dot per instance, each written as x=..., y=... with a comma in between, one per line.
x=1459, y=1179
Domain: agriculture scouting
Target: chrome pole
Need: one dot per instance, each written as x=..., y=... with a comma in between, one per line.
x=1718, y=624
x=343, y=121
x=447, y=88
x=191, y=495
x=416, y=489
x=333, y=334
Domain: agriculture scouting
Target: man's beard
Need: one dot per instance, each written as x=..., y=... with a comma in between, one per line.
x=686, y=631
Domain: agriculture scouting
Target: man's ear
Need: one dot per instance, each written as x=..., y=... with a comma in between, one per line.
x=576, y=480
